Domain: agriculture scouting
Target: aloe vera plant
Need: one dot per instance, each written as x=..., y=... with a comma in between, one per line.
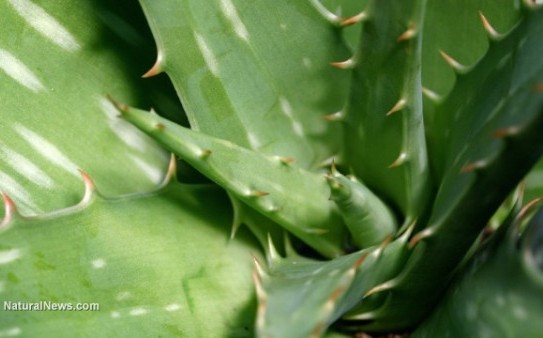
x=355, y=159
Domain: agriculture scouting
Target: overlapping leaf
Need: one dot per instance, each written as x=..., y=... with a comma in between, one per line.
x=57, y=64
x=157, y=264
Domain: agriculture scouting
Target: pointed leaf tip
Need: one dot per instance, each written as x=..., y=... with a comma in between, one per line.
x=9, y=210
x=156, y=69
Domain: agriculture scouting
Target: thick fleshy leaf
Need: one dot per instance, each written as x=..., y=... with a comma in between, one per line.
x=271, y=185
x=158, y=264
x=384, y=129
x=502, y=90
x=299, y=297
x=58, y=62
x=254, y=74
x=499, y=294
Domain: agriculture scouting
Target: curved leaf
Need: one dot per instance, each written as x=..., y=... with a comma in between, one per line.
x=157, y=264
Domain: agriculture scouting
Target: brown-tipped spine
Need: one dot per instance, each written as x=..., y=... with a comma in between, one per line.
x=156, y=69
x=492, y=33
x=409, y=34
x=171, y=173
x=420, y=236
x=402, y=158
x=526, y=211
x=337, y=116
x=531, y=4
x=261, y=298
x=122, y=107
x=347, y=64
x=455, y=65
x=90, y=187
x=206, y=153
x=473, y=166
x=286, y=160
x=397, y=107
x=435, y=97
x=9, y=210
x=258, y=193
x=506, y=132
x=360, y=17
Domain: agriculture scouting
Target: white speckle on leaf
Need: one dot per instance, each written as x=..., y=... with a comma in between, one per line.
x=25, y=167
x=471, y=311
x=139, y=311
x=18, y=192
x=123, y=295
x=519, y=312
x=172, y=307
x=126, y=132
x=232, y=15
x=115, y=314
x=285, y=106
x=283, y=26
x=307, y=62
x=298, y=128
x=253, y=140
x=208, y=55
x=8, y=256
x=19, y=72
x=47, y=150
x=155, y=174
x=11, y=332
x=99, y=263
x=45, y=24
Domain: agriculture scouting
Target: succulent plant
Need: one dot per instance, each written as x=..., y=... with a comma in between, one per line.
x=308, y=196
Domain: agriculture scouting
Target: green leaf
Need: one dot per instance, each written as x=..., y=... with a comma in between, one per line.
x=498, y=294
x=254, y=74
x=58, y=62
x=158, y=264
x=384, y=129
x=502, y=90
x=299, y=297
x=291, y=196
